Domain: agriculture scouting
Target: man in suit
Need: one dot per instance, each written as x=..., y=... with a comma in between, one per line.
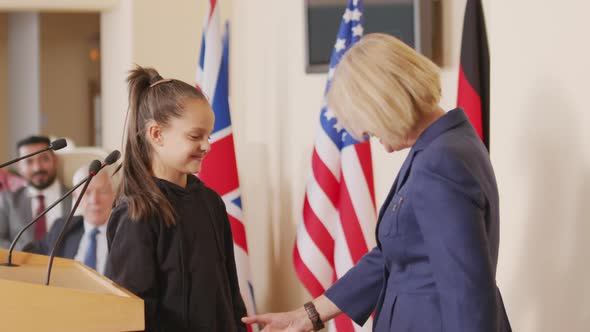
x=85, y=237
x=42, y=188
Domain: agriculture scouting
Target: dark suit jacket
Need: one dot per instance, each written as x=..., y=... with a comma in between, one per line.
x=70, y=243
x=16, y=213
x=434, y=267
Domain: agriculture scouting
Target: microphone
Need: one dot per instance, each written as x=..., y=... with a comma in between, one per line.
x=110, y=159
x=55, y=145
x=94, y=168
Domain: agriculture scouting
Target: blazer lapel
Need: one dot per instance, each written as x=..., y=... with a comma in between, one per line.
x=388, y=199
x=399, y=180
x=403, y=172
x=398, y=183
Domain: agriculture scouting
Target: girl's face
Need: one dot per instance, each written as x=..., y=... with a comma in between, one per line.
x=182, y=145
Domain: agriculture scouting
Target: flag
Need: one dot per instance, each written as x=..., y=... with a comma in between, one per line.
x=220, y=170
x=339, y=216
x=474, y=71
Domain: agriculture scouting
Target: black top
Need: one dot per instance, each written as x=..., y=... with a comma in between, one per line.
x=185, y=273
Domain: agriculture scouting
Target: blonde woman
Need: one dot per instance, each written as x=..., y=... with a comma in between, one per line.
x=434, y=266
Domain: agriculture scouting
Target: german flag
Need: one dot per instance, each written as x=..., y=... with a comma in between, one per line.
x=474, y=71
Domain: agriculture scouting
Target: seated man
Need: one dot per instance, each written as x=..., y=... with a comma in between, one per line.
x=85, y=238
x=18, y=208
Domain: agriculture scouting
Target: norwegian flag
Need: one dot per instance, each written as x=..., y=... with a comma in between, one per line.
x=219, y=168
x=339, y=214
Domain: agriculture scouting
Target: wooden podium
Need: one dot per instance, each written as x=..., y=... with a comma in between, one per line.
x=77, y=298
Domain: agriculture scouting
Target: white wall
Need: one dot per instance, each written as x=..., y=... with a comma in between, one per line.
x=24, y=98
x=540, y=148
x=159, y=34
x=28, y=7
x=541, y=153
x=116, y=47
x=66, y=74
x=262, y=107
x=4, y=118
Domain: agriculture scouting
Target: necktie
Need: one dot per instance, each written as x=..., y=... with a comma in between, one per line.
x=90, y=256
x=41, y=224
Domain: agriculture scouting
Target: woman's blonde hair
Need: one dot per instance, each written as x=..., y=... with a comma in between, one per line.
x=383, y=87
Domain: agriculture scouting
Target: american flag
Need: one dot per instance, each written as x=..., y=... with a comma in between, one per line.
x=219, y=168
x=339, y=214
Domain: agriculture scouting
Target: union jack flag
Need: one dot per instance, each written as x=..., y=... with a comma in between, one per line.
x=220, y=169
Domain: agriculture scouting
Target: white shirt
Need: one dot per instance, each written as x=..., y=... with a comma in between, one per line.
x=51, y=194
x=101, y=246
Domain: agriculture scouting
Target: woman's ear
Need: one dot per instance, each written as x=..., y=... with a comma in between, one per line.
x=154, y=132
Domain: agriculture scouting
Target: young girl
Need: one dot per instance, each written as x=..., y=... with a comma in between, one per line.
x=169, y=236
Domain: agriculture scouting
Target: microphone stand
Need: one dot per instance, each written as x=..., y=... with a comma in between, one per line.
x=95, y=167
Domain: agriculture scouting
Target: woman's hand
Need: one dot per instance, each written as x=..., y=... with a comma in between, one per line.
x=296, y=320
x=292, y=321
